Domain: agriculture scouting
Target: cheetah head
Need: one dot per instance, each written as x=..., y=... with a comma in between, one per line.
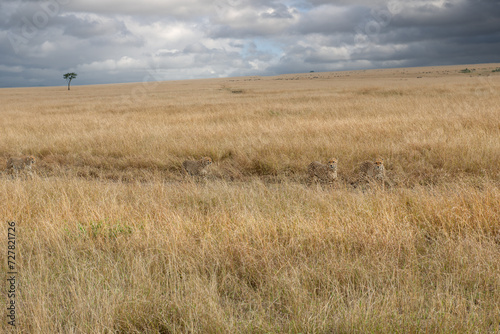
x=332, y=163
x=379, y=163
x=30, y=160
x=206, y=161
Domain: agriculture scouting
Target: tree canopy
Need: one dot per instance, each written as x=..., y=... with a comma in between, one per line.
x=69, y=77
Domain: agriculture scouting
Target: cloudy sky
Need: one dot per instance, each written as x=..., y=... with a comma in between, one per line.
x=112, y=41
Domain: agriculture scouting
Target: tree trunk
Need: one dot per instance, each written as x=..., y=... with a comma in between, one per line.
x=69, y=82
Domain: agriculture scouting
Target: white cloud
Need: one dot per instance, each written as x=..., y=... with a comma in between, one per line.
x=124, y=63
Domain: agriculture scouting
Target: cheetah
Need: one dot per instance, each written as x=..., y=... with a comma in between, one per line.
x=324, y=173
x=371, y=171
x=197, y=168
x=17, y=164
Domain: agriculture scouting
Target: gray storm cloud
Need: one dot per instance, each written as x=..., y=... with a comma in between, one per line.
x=111, y=41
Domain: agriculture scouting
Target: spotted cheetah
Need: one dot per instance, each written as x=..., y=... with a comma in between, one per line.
x=324, y=173
x=18, y=164
x=197, y=168
x=372, y=170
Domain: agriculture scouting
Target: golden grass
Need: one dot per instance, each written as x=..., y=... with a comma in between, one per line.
x=113, y=238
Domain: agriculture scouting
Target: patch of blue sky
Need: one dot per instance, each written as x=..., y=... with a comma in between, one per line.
x=261, y=45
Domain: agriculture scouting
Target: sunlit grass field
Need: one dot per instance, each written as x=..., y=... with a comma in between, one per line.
x=112, y=237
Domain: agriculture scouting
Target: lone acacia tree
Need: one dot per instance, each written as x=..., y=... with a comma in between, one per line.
x=69, y=77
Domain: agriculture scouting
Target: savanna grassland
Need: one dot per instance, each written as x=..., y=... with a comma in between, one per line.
x=112, y=238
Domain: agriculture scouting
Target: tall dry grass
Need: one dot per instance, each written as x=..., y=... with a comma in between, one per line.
x=112, y=238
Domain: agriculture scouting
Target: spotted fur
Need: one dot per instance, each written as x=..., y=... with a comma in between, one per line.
x=197, y=167
x=372, y=170
x=326, y=173
x=19, y=164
